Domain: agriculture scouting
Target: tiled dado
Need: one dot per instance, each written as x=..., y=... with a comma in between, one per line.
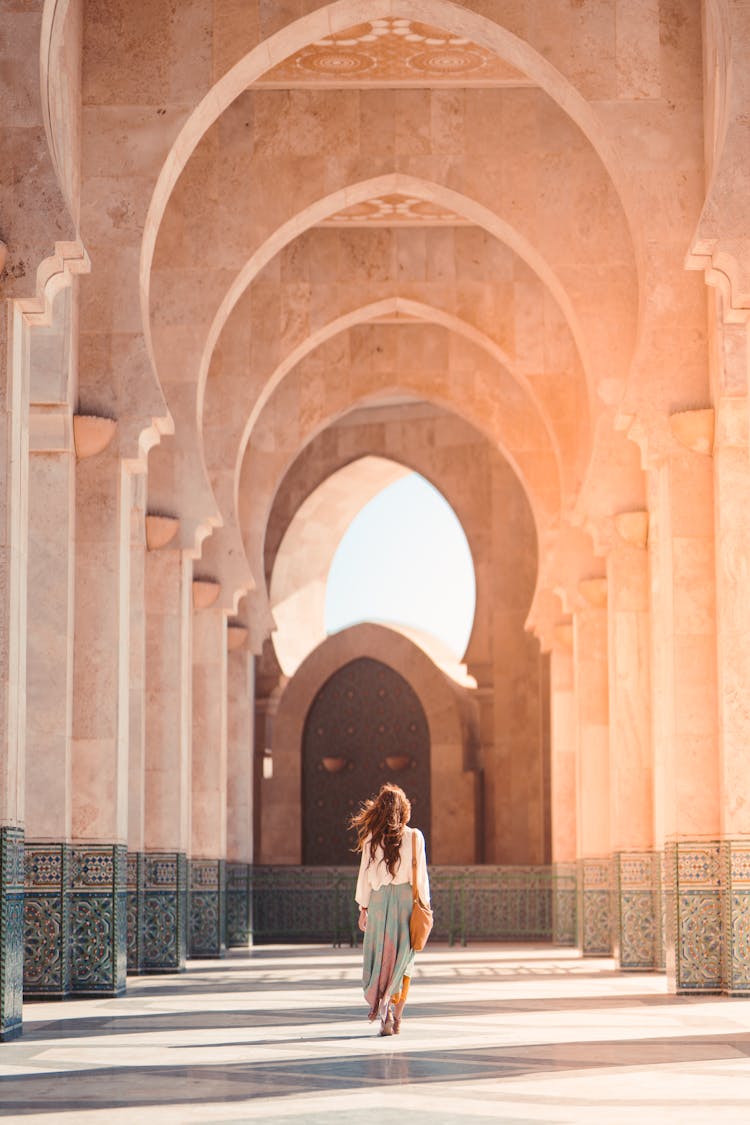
x=736, y=917
x=239, y=905
x=11, y=931
x=595, y=907
x=207, y=925
x=637, y=906
x=134, y=898
x=165, y=912
x=692, y=876
x=565, y=904
x=46, y=919
x=98, y=920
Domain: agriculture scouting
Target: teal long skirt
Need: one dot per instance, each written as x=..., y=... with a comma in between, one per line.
x=388, y=956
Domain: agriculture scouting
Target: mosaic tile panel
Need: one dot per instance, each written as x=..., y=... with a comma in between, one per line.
x=135, y=910
x=46, y=920
x=98, y=920
x=595, y=907
x=636, y=911
x=565, y=904
x=694, y=924
x=207, y=925
x=736, y=917
x=11, y=932
x=661, y=911
x=165, y=912
x=239, y=923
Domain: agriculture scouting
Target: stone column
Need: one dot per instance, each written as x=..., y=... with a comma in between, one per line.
x=169, y=609
x=732, y=501
x=136, y=727
x=49, y=685
x=13, y=531
x=240, y=769
x=592, y=819
x=208, y=830
x=99, y=773
x=684, y=700
x=563, y=802
x=637, y=879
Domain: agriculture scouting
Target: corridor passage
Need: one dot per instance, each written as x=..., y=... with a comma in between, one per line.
x=492, y=1033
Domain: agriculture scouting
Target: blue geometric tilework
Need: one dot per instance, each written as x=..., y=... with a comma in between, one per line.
x=207, y=927
x=736, y=917
x=135, y=907
x=239, y=923
x=165, y=912
x=46, y=920
x=694, y=924
x=638, y=910
x=98, y=920
x=595, y=907
x=11, y=932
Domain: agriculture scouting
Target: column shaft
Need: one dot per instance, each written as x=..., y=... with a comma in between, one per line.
x=100, y=726
x=209, y=785
x=684, y=700
x=168, y=577
x=593, y=830
x=637, y=907
x=563, y=785
x=240, y=762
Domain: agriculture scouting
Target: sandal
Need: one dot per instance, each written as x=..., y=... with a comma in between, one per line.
x=387, y=1025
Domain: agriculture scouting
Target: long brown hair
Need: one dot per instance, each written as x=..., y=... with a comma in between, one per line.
x=383, y=819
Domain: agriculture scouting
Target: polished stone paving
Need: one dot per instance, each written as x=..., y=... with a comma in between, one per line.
x=508, y=1034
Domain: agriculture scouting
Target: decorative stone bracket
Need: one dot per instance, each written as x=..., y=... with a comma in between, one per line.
x=205, y=592
x=160, y=531
x=92, y=434
x=694, y=429
x=632, y=527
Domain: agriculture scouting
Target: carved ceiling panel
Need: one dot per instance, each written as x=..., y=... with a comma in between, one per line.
x=396, y=209
x=393, y=51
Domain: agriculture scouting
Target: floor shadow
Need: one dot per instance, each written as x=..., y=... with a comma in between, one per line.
x=119, y=1087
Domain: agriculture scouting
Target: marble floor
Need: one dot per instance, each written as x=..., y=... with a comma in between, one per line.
x=509, y=1034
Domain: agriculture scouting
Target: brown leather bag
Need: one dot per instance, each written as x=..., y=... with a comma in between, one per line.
x=421, y=920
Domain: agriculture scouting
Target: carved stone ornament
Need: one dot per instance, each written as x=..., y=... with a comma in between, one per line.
x=236, y=637
x=92, y=434
x=205, y=592
x=594, y=591
x=160, y=530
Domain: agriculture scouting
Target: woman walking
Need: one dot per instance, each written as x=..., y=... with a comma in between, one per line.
x=384, y=896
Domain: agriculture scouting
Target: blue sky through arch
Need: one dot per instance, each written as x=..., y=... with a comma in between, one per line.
x=404, y=559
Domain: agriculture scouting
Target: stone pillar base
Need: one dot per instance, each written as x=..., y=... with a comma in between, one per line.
x=11, y=932
x=135, y=863
x=693, y=925
x=98, y=920
x=564, y=904
x=637, y=914
x=165, y=912
x=595, y=907
x=207, y=926
x=46, y=920
x=239, y=904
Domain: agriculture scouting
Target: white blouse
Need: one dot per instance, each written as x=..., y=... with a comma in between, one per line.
x=373, y=876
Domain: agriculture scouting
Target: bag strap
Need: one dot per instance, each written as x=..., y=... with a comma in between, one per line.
x=414, y=891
